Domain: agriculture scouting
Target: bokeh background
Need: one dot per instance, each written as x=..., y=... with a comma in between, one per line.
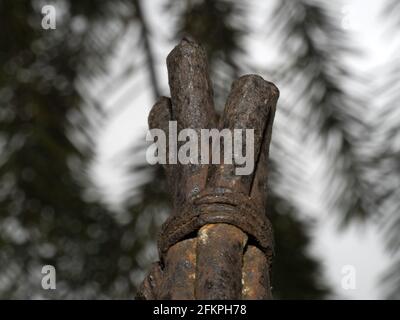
x=76, y=192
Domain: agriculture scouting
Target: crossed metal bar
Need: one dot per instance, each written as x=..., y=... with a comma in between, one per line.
x=218, y=242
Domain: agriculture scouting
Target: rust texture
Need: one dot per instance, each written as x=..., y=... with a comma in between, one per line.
x=179, y=272
x=192, y=107
x=150, y=285
x=218, y=241
x=248, y=107
x=255, y=275
x=219, y=262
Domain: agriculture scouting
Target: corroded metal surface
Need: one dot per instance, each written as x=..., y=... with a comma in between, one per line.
x=219, y=262
x=192, y=107
x=217, y=243
x=251, y=101
x=218, y=206
x=151, y=284
x=255, y=275
x=179, y=272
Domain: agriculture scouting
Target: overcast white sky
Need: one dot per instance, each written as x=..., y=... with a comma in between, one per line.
x=356, y=246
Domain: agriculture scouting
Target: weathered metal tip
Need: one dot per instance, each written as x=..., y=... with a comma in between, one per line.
x=256, y=81
x=186, y=46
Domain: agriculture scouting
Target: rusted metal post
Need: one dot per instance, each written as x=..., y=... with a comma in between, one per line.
x=217, y=243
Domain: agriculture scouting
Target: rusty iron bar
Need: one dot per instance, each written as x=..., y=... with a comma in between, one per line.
x=217, y=243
